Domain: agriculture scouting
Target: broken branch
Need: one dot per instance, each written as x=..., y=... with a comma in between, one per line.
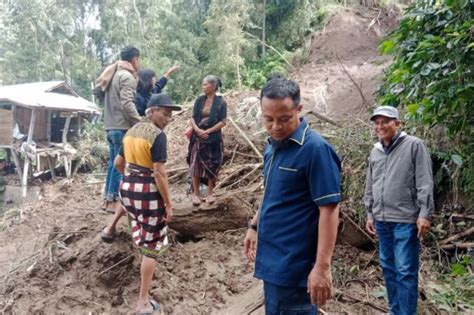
x=457, y=236
x=242, y=133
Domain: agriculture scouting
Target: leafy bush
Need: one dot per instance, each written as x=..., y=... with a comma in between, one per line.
x=255, y=74
x=432, y=77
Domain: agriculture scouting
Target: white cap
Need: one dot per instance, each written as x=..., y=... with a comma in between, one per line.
x=386, y=111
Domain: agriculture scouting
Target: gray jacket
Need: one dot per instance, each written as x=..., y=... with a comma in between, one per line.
x=120, y=112
x=399, y=184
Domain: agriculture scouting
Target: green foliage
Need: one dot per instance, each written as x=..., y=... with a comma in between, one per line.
x=74, y=40
x=432, y=75
x=453, y=293
x=292, y=21
x=92, y=149
x=256, y=73
x=461, y=268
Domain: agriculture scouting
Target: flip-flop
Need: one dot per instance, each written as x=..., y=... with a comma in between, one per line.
x=196, y=200
x=211, y=199
x=156, y=307
x=107, y=237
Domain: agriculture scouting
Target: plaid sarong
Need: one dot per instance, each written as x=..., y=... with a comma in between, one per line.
x=146, y=210
x=205, y=158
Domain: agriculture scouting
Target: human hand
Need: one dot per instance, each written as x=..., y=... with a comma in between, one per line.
x=423, y=226
x=370, y=226
x=250, y=244
x=202, y=134
x=320, y=285
x=168, y=213
x=171, y=70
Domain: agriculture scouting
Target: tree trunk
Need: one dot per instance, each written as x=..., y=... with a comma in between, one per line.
x=264, y=26
x=227, y=213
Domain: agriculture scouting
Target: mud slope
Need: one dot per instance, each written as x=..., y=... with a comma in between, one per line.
x=348, y=41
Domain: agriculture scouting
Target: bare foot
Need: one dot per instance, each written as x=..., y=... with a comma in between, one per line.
x=210, y=199
x=196, y=200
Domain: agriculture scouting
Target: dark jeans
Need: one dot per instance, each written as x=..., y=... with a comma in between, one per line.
x=399, y=249
x=287, y=300
x=112, y=182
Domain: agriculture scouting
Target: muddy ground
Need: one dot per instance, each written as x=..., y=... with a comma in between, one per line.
x=53, y=261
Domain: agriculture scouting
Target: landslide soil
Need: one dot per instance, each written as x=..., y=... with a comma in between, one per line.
x=53, y=261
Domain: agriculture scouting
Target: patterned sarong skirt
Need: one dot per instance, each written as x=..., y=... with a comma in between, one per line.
x=146, y=211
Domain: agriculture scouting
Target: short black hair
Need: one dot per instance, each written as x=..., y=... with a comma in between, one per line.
x=277, y=87
x=128, y=53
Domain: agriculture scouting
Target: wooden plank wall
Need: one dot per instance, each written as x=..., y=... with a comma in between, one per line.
x=23, y=116
x=6, y=125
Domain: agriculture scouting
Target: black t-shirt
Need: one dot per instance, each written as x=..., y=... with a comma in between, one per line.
x=158, y=149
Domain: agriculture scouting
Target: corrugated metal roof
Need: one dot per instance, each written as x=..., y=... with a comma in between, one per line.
x=53, y=95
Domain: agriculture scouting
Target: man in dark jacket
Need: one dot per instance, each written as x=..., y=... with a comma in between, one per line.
x=399, y=202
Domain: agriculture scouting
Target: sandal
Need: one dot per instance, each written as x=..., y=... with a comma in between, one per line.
x=196, y=200
x=210, y=199
x=156, y=307
x=107, y=238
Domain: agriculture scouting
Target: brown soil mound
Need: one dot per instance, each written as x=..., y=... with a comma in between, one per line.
x=66, y=268
x=346, y=50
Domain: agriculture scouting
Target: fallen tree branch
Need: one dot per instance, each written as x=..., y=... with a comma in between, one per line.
x=177, y=169
x=363, y=301
x=324, y=118
x=460, y=217
x=364, y=100
x=457, y=236
x=245, y=176
x=458, y=245
x=114, y=265
x=242, y=133
x=236, y=173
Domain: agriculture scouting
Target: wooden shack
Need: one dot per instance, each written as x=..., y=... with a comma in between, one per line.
x=36, y=122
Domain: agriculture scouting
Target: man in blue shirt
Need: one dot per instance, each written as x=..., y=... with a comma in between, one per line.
x=297, y=221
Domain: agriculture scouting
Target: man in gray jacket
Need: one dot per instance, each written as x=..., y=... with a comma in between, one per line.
x=119, y=82
x=399, y=202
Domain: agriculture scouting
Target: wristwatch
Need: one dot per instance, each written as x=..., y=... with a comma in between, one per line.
x=252, y=226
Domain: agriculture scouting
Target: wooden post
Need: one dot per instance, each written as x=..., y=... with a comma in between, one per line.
x=16, y=160
x=48, y=125
x=51, y=166
x=67, y=167
x=24, y=180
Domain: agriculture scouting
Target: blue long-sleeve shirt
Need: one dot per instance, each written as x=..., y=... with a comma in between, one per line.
x=142, y=100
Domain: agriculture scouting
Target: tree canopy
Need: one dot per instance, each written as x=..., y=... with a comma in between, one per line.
x=74, y=40
x=432, y=78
